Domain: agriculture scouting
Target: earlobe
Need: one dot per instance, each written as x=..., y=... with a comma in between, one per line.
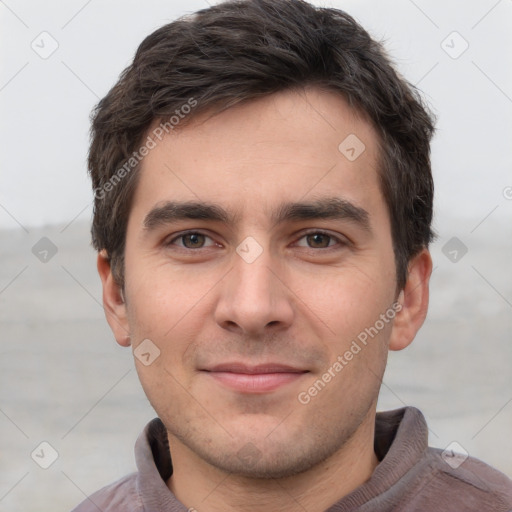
x=414, y=302
x=113, y=301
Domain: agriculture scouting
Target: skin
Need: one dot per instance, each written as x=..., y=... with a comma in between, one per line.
x=301, y=302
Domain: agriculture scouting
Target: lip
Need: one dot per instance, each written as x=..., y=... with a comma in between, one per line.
x=261, y=378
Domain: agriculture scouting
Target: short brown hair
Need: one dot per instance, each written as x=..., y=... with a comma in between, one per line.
x=241, y=50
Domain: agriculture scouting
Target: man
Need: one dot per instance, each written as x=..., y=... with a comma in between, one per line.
x=263, y=201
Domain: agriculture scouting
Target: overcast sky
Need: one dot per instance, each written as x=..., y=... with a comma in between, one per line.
x=45, y=103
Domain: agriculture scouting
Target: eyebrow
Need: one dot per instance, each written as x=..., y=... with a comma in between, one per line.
x=327, y=208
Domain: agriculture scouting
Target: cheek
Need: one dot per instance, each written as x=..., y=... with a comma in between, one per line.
x=347, y=299
x=168, y=306
x=159, y=295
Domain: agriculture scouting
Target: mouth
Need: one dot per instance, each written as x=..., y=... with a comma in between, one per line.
x=254, y=378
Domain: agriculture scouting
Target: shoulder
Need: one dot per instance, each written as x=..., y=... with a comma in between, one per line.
x=467, y=482
x=121, y=495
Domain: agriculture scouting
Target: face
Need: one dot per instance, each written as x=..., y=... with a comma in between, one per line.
x=258, y=253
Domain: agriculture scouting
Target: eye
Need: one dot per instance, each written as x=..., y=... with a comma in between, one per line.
x=191, y=240
x=312, y=240
x=320, y=240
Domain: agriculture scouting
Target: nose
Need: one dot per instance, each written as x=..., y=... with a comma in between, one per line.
x=254, y=297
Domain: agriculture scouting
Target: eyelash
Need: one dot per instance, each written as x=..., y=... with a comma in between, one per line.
x=341, y=242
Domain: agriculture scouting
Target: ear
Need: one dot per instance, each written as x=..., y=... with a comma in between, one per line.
x=113, y=302
x=414, y=301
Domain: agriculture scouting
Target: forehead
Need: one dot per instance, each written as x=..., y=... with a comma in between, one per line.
x=283, y=147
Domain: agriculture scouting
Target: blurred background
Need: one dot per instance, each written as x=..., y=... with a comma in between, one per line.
x=64, y=382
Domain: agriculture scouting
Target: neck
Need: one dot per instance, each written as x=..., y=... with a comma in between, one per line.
x=199, y=485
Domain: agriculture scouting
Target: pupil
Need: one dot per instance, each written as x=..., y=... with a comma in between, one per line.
x=194, y=239
x=318, y=238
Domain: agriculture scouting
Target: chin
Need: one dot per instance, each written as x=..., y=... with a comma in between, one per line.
x=251, y=462
x=278, y=452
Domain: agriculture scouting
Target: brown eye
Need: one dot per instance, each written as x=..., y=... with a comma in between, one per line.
x=318, y=240
x=321, y=240
x=192, y=240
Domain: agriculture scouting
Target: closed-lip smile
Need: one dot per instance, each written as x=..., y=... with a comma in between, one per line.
x=261, y=378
